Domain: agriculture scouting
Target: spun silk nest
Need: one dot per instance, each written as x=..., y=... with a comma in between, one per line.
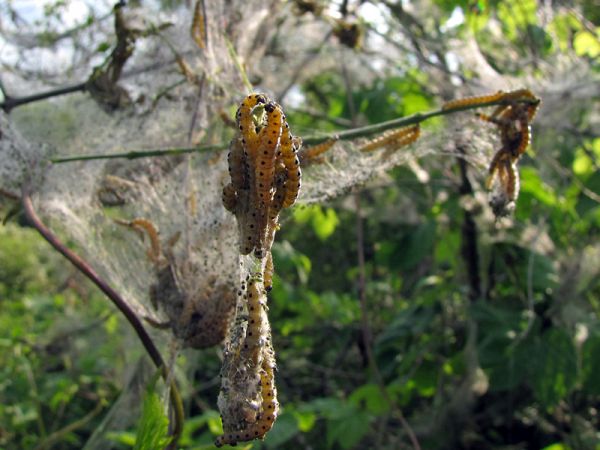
x=155, y=228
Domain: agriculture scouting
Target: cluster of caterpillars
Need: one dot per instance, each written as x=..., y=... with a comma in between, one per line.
x=265, y=175
x=265, y=178
x=198, y=317
x=513, y=118
x=248, y=397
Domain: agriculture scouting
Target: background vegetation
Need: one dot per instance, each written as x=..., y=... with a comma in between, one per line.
x=401, y=307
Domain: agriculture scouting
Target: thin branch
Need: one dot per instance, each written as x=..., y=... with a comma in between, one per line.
x=117, y=300
x=8, y=194
x=366, y=329
x=12, y=102
x=309, y=140
x=59, y=434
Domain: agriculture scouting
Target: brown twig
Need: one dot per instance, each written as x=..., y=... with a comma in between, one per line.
x=117, y=300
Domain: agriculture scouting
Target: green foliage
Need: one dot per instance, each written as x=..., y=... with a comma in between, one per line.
x=498, y=352
x=153, y=428
x=55, y=356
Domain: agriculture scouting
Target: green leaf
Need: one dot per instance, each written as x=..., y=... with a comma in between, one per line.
x=153, y=428
x=557, y=446
x=516, y=15
x=102, y=47
x=324, y=221
x=370, y=397
x=532, y=183
x=305, y=420
x=586, y=44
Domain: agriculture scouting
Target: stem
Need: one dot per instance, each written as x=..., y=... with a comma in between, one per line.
x=366, y=329
x=117, y=300
x=12, y=102
x=310, y=140
x=143, y=153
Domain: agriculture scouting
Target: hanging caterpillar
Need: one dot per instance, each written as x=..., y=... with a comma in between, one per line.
x=245, y=121
x=289, y=156
x=265, y=178
x=513, y=118
x=263, y=164
x=265, y=158
x=198, y=29
x=249, y=396
x=238, y=167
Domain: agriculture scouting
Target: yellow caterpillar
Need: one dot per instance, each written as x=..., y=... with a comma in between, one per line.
x=245, y=120
x=289, y=156
x=393, y=138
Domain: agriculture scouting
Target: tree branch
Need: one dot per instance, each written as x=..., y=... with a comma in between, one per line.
x=12, y=102
x=117, y=300
x=310, y=140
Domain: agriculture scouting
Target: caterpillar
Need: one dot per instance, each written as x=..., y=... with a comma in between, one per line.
x=230, y=199
x=198, y=30
x=289, y=156
x=255, y=330
x=476, y=100
x=265, y=158
x=395, y=138
x=268, y=276
x=250, y=231
x=313, y=152
x=248, y=395
x=411, y=135
x=279, y=184
x=238, y=167
x=154, y=253
x=245, y=120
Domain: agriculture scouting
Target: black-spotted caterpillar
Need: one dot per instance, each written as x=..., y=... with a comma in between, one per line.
x=265, y=178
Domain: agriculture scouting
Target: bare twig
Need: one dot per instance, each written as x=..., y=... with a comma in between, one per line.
x=117, y=300
x=12, y=102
